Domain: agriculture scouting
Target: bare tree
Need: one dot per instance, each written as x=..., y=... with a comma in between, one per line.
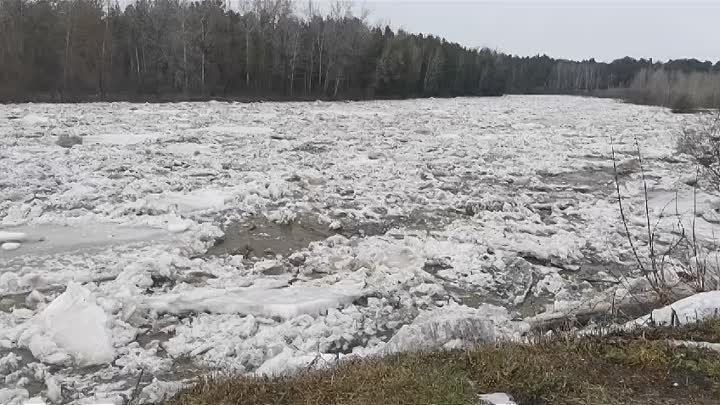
x=432, y=70
x=249, y=24
x=184, y=38
x=67, y=65
x=103, y=53
x=203, y=47
x=291, y=30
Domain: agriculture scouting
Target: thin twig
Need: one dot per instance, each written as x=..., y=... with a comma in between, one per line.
x=699, y=272
x=136, y=391
x=651, y=233
x=622, y=210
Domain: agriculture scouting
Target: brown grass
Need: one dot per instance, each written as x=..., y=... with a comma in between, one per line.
x=616, y=369
x=402, y=379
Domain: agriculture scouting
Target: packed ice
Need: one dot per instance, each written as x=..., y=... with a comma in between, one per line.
x=182, y=239
x=72, y=327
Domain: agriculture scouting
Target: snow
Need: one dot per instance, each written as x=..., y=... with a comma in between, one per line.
x=695, y=345
x=72, y=325
x=454, y=219
x=497, y=398
x=290, y=361
x=687, y=310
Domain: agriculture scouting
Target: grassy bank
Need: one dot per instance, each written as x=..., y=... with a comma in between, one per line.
x=629, y=368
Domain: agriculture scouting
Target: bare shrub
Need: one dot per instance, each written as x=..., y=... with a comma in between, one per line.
x=702, y=143
x=684, y=260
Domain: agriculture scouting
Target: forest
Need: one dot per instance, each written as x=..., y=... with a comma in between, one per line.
x=159, y=50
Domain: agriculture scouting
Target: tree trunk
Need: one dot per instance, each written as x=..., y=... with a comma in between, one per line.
x=137, y=65
x=309, y=74
x=203, y=22
x=337, y=86
x=327, y=78
x=320, y=66
x=185, y=61
x=247, y=57
x=293, y=60
x=68, y=34
x=103, y=52
x=292, y=81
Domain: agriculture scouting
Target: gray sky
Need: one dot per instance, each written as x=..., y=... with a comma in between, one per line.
x=578, y=29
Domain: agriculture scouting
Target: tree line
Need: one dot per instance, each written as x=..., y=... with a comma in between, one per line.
x=680, y=90
x=83, y=50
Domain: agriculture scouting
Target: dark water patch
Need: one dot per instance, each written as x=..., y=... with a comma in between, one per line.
x=533, y=305
x=434, y=265
x=258, y=237
x=592, y=157
x=530, y=305
x=592, y=178
x=196, y=277
x=313, y=147
x=13, y=301
x=599, y=272
x=472, y=298
x=145, y=339
x=184, y=368
x=420, y=221
x=584, y=181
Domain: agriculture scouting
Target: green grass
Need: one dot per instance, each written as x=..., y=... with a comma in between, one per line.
x=632, y=368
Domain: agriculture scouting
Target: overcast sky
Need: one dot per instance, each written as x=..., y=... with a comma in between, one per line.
x=577, y=29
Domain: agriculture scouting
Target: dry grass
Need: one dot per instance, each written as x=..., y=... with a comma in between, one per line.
x=403, y=379
x=617, y=369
